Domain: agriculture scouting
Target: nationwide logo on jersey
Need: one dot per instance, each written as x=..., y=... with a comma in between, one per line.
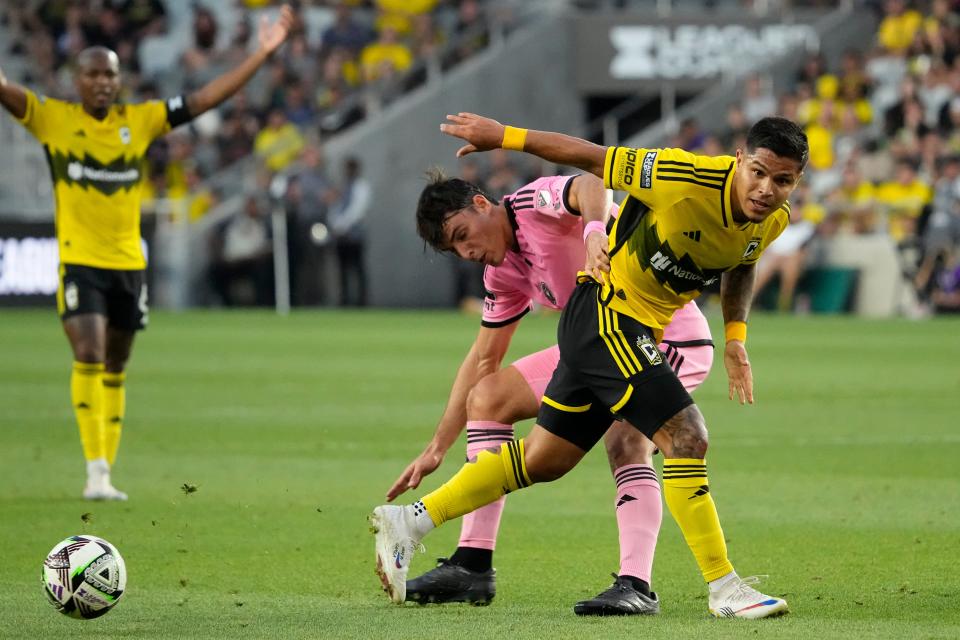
x=680, y=274
x=122, y=173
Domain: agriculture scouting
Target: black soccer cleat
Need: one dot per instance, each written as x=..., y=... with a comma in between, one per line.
x=621, y=599
x=453, y=583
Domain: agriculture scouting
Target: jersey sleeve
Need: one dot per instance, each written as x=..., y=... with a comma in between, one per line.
x=502, y=303
x=42, y=115
x=162, y=116
x=662, y=177
x=550, y=196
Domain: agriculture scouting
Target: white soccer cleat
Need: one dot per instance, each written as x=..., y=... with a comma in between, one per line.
x=98, y=485
x=103, y=491
x=740, y=600
x=395, y=548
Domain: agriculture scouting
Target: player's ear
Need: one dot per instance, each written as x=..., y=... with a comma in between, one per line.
x=480, y=202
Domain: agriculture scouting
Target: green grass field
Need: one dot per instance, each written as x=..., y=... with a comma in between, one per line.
x=842, y=483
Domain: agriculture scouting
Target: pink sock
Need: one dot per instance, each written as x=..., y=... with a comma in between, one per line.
x=639, y=512
x=479, y=528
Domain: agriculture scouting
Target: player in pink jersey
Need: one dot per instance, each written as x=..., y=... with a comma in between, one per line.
x=533, y=245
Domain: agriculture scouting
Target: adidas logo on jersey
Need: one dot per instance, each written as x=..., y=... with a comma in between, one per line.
x=693, y=235
x=80, y=133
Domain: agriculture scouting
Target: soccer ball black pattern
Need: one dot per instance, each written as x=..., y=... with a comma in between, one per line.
x=84, y=577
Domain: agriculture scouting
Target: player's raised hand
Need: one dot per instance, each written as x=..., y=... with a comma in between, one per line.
x=739, y=374
x=422, y=466
x=271, y=36
x=481, y=134
x=598, y=260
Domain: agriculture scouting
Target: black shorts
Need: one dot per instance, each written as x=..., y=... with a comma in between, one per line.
x=120, y=295
x=610, y=368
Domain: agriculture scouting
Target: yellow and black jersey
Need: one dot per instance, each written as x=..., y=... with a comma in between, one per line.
x=97, y=167
x=675, y=233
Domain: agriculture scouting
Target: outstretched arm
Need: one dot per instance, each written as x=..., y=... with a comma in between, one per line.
x=589, y=197
x=484, y=358
x=483, y=134
x=736, y=291
x=270, y=37
x=12, y=97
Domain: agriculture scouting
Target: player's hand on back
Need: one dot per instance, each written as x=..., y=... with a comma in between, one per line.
x=482, y=134
x=271, y=36
x=739, y=374
x=598, y=260
x=422, y=466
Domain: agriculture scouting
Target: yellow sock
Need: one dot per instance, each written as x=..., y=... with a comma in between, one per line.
x=86, y=393
x=687, y=493
x=479, y=482
x=114, y=406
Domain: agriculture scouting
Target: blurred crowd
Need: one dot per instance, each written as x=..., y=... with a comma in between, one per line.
x=883, y=125
x=884, y=133
x=342, y=59
x=317, y=85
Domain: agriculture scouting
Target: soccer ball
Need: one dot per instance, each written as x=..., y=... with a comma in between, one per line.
x=84, y=576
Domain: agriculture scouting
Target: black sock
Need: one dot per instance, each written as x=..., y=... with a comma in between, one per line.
x=479, y=560
x=640, y=585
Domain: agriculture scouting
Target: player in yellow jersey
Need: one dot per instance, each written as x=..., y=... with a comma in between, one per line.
x=95, y=149
x=687, y=221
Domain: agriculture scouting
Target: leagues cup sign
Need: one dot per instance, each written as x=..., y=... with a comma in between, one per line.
x=613, y=56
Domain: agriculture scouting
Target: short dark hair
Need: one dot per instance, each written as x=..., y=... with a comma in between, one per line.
x=784, y=137
x=442, y=197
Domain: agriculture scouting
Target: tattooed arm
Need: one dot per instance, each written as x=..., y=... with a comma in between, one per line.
x=736, y=292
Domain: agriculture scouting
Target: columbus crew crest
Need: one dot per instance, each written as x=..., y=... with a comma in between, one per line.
x=649, y=349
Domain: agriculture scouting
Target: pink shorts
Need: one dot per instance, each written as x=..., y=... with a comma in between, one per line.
x=692, y=365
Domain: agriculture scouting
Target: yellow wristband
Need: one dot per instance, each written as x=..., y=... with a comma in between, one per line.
x=513, y=138
x=736, y=330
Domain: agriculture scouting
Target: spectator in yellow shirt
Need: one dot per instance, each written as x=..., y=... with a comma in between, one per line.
x=279, y=143
x=385, y=57
x=898, y=27
x=903, y=200
x=851, y=206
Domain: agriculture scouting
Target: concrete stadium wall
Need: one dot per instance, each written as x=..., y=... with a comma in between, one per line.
x=526, y=80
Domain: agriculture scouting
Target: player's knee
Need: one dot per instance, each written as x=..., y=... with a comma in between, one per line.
x=688, y=432
x=87, y=352
x=488, y=400
x=626, y=445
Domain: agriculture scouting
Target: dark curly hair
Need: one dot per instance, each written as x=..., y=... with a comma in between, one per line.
x=441, y=198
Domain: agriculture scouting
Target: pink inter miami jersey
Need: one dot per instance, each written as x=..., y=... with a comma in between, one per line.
x=550, y=237
x=544, y=271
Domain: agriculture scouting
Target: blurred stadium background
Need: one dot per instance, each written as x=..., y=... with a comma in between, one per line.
x=251, y=204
